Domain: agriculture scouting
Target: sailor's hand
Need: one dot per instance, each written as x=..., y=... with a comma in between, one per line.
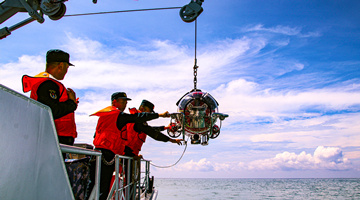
x=71, y=94
x=138, y=157
x=165, y=114
x=178, y=141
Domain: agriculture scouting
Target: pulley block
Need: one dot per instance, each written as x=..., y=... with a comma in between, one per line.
x=190, y=12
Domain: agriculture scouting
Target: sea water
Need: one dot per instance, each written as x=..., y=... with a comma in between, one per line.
x=206, y=189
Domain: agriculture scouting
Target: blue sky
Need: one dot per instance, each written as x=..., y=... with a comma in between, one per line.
x=287, y=73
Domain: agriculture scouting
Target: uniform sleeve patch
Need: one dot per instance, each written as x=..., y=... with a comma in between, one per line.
x=53, y=94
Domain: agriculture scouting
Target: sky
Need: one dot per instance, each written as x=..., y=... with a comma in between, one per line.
x=286, y=72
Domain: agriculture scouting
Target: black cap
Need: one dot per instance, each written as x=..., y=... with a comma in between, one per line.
x=119, y=95
x=148, y=104
x=57, y=55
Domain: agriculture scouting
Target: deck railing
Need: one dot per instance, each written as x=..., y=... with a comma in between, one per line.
x=131, y=180
x=77, y=150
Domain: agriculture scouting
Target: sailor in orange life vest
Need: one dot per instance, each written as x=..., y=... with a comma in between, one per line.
x=136, y=138
x=46, y=88
x=111, y=135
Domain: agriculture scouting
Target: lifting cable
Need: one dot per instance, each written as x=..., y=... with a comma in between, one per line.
x=195, y=66
x=176, y=161
x=195, y=81
x=122, y=11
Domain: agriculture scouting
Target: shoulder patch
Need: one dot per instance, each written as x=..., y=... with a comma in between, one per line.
x=53, y=94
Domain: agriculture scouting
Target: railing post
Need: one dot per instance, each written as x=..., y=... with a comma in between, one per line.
x=97, y=177
x=148, y=176
x=117, y=177
x=138, y=178
x=128, y=174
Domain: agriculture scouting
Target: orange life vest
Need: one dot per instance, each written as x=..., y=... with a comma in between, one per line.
x=107, y=135
x=65, y=125
x=135, y=139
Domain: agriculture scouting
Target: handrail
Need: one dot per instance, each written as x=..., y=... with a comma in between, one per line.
x=146, y=179
x=132, y=182
x=72, y=149
x=136, y=179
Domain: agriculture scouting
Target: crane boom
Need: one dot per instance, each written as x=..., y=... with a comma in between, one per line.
x=55, y=10
x=35, y=8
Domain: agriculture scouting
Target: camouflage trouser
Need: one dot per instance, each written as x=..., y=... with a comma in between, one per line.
x=79, y=177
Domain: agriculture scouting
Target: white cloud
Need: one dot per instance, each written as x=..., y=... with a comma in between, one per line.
x=285, y=30
x=9, y=72
x=328, y=158
x=85, y=48
x=201, y=165
x=155, y=65
x=249, y=98
x=297, y=132
x=324, y=158
x=329, y=154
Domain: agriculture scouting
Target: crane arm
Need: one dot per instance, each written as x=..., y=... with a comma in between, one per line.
x=35, y=8
x=55, y=10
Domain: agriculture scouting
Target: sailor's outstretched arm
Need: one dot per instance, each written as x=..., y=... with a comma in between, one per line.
x=153, y=133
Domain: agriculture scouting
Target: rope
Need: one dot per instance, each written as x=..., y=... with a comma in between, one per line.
x=176, y=161
x=121, y=11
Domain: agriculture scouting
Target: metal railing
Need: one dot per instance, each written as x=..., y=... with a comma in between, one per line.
x=77, y=150
x=132, y=176
x=132, y=179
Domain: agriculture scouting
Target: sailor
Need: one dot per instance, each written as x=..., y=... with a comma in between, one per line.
x=47, y=89
x=137, y=138
x=111, y=135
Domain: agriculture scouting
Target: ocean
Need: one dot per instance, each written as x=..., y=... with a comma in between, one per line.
x=221, y=189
